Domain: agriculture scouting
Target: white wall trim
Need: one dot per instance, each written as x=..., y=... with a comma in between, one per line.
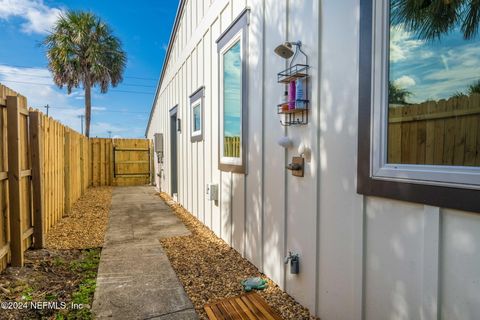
x=431, y=262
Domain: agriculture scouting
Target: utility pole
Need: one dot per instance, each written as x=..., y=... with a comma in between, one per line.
x=81, y=122
x=109, y=134
x=47, y=107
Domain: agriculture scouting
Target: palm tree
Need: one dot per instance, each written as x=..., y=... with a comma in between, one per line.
x=82, y=50
x=474, y=88
x=430, y=19
x=396, y=94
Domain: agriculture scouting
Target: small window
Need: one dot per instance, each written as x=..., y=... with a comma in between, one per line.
x=233, y=108
x=232, y=103
x=419, y=100
x=197, y=119
x=196, y=102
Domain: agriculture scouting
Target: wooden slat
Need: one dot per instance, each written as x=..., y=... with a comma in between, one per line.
x=67, y=173
x=245, y=309
x=27, y=233
x=132, y=162
x=132, y=149
x=433, y=116
x=4, y=250
x=16, y=216
x=120, y=162
x=249, y=306
x=264, y=307
x=444, y=132
x=209, y=311
x=25, y=173
x=36, y=142
x=23, y=111
x=257, y=313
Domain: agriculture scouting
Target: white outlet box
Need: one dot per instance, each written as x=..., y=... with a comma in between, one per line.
x=212, y=192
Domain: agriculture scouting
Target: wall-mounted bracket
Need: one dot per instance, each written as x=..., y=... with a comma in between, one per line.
x=294, y=262
x=297, y=166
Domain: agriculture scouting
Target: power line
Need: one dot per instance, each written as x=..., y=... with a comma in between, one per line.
x=49, y=77
x=48, y=84
x=108, y=111
x=129, y=77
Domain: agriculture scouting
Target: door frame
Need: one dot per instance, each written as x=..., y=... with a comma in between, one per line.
x=173, y=151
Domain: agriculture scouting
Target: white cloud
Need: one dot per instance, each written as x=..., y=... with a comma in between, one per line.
x=39, y=18
x=402, y=43
x=455, y=71
x=405, y=82
x=36, y=84
x=102, y=129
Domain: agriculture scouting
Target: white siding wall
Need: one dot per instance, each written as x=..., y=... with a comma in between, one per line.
x=361, y=257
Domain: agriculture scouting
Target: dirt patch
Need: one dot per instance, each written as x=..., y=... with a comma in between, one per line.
x=63, y=278
x=86, y=224
x=210, y=269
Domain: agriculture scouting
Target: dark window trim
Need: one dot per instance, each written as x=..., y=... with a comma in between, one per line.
x=440, y=196
x=173, y=110
x=240, y=24
x=199, y=93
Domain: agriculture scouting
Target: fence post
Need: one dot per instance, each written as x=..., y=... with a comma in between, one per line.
x=112, y=162
x=152, y=163
x=82, y=173
x=36, y=143
x=67, y=171
x=16, y=217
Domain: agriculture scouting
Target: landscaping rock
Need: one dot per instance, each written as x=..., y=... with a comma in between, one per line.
x=210, y=269
x=86, y=224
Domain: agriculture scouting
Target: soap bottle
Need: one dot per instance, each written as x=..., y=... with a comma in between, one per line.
x=284, y=101
x=291, y=95
x=299, y=102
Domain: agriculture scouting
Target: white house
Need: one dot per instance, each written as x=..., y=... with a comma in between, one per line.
x=385, y=217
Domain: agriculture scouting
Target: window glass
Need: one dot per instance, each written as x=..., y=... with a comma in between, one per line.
x=197, y=113
x=434, y=83
x=232, y=101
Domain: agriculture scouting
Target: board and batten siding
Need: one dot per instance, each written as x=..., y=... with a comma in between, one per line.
x=360, y=257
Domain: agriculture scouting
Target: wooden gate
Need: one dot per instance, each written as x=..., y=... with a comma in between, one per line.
x=131, y=162
x=121, y=162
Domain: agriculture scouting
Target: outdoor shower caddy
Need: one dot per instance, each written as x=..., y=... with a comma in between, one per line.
x=296, y=116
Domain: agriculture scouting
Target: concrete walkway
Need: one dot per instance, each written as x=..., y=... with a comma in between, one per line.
x=135, y=279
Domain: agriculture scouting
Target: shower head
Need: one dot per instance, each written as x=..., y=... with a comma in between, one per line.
x=285, y=50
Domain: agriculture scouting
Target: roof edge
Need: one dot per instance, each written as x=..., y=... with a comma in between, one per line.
x=181, y=6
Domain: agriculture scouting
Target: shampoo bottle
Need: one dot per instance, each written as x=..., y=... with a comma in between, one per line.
x=299, y=96
x=291, y=95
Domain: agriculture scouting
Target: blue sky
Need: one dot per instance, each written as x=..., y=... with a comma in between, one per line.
x=143, y=27
x=433, y=70
x=232, y=88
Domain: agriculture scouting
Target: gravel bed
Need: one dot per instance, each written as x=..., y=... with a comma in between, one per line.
x=210, y=269
x=86, y=224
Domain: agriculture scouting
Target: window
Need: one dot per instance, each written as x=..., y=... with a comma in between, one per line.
x=232, y=102
x=419, y=116
x=196, y=102
x=197, y=121
x=233, y=110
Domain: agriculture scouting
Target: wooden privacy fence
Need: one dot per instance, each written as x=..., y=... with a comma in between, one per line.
x=61, y=155
x=446, y=132
x=16, y=193
x=231, y=147
x=45, y=167
x=121, y=162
